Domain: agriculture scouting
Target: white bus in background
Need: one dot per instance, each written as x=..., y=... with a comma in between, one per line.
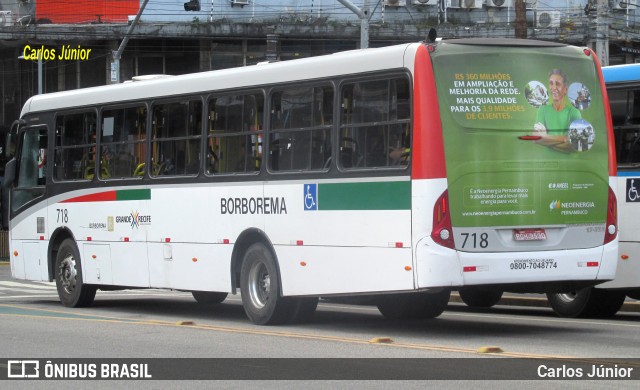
x=402, y=172
x=604, y=300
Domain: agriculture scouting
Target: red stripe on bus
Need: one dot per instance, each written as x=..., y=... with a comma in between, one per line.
x=613, y=168
x=97, y=197
x=427, y=154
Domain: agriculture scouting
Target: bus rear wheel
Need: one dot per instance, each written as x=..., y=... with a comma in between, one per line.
x=479, y=297
x=421, y=305
x=260, y=287
x=68, y=272
x=209, y=297
x=587, y=303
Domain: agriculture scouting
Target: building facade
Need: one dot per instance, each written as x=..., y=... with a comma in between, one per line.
x=76, y=40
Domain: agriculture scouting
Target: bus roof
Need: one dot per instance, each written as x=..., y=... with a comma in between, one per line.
x=354, y=61
x=621, y=73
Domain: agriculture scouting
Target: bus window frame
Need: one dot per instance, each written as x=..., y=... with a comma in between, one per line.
x=207, y=137
x=385, y=76
x=123, y=106
x=319, y=83
x=54, y=146
x=152, y=104
x=40, y=190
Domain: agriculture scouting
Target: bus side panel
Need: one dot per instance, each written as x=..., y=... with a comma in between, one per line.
x=353, y=236
x=114, y=219
x=193, y=267
x=341, y=270
x=190, y=226
x=628, y=197
x=28, y=249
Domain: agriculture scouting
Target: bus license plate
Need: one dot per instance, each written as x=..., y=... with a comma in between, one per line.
x=529, y=234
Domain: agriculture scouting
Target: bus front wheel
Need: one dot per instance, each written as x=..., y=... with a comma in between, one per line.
x=68, y=271
x=588, y=302
x=260, y=288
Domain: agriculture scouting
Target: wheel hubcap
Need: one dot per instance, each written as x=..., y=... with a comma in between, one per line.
x=259, y=285
x=568, y=297
x=67, y=274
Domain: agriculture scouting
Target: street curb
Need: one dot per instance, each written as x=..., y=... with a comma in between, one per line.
x=633, y=307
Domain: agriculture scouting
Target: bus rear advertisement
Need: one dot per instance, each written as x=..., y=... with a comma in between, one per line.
x=400, y=173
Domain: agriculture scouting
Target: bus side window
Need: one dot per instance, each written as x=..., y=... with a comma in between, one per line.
x=300, y=129
x=122, y=142
x=175, y=149
x=626, y=123
x=31, y=169
x=376, y=124
x=75, y=146
x=235, y=134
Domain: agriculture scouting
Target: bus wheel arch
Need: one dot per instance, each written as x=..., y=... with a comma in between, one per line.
x=261, y=287
x=242, y=244
x=72, y=290
x=57, y=237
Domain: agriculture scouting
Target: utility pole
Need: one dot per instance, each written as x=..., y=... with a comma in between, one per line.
x=363, y=15
x=599, y=30
x=115, y=65
x=521, y=19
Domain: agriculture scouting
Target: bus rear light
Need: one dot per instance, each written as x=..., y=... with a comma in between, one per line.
x=469, y=269
x=612, y=218
x=588, y=264
x=441, y=230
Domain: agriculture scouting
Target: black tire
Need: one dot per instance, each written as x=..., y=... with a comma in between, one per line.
x=68, y=272
x=479, y=297
x=587, y=303
x=634, y=295
x=208, y=297
x=609, y=302
x=260, y=287
x=414, y=305
x=304, y=309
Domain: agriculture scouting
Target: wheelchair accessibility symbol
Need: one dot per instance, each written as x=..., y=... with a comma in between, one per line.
x=632, y=190
x=311, y=197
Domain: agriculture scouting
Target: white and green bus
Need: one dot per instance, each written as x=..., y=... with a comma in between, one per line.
x=402, y=172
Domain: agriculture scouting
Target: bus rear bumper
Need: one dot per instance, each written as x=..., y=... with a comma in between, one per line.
x=435, y=263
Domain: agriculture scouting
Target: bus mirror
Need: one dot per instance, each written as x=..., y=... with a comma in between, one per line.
x=10, y=146
x=9, y=177
x=9, y=174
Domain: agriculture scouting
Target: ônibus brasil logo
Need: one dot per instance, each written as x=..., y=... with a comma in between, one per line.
x=134, y=219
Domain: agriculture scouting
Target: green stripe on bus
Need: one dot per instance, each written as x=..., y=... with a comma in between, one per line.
x=140, y=194
x=390, y=195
